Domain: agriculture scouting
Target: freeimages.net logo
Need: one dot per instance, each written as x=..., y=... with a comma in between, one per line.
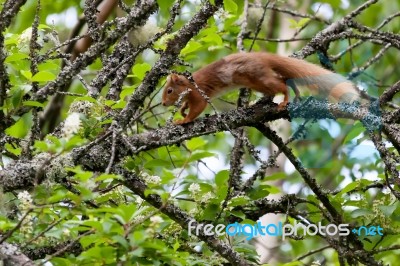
x=280, y=230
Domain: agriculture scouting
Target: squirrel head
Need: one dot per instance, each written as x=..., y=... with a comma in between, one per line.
x=176, y=84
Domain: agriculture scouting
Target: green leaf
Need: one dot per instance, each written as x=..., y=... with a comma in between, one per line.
x=80, y=174
x=119, y=105
x=126, y=91
x=221, y=179
x=354, y=132
x=388, y=210
x=43, y=76
x=302, y=22
x=94, y=225
x=16, y=57
x=167, y=176
x=293, y=24
x=33, y=103
x=139, y=70
x=260, y=191
x=195, y=143
x=73, y=142
x=239, y=214
x=157, y=163
x=127, y=212
x=11, y=39
x=221, y=182
x=165, y=5
x=212, y=38
x=191, y=47
x=103, y=177
x=17, y=93
x=211, y=212
x=26, y=74
x=86, y=98
x=200, y=155
x=46, y=66
x=21, y=127
x=106, y=254
x=275, y=176
x=239, y=201
x=40, y=146
x=176, y=246
x=334, y=3
x=349, y=187
x=361, y=212
x=14, y=150
x=230, y=6
x=43, y=26
x=105, y=122
x=205, y=187
x=121, y=240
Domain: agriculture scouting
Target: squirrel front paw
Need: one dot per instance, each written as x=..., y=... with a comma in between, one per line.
x=182, y=121
x=282, y=105
x=179, y=122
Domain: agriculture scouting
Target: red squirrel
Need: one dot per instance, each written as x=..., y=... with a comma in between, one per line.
x=267, y=73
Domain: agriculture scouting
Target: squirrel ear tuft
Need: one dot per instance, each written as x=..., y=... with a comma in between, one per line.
x=174, y=78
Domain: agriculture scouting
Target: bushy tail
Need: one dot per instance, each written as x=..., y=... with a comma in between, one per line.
x=321, y=81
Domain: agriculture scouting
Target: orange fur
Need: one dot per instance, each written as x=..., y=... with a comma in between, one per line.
x=263, y=72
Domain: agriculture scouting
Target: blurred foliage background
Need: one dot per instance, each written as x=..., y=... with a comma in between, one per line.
x=94, y=219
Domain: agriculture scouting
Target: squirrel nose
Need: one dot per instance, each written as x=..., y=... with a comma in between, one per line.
x=164, y=104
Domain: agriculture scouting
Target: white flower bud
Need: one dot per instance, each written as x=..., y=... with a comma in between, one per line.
x=71, y=125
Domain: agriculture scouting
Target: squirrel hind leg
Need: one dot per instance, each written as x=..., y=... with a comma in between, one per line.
x=296, y=92
x=275, y=86
x=285, y=102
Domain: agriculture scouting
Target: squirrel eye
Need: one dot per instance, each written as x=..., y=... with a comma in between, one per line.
x=169, y=91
